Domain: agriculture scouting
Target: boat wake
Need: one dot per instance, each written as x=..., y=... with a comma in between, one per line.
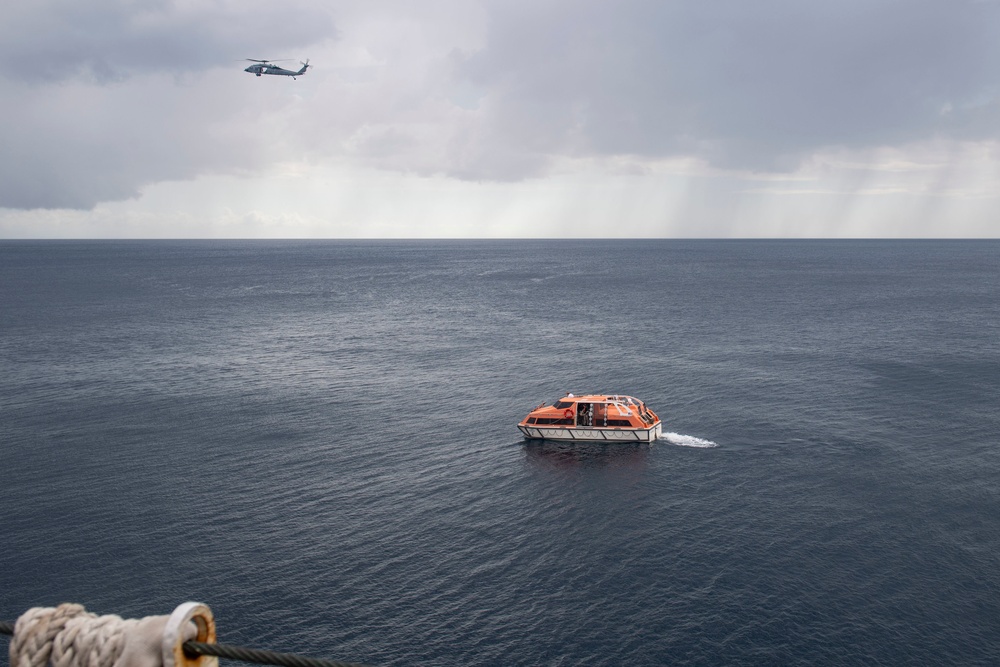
x=686, y=440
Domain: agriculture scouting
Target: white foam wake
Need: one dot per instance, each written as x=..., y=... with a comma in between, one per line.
x=686, y=440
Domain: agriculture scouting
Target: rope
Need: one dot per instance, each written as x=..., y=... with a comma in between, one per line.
x=69, y=636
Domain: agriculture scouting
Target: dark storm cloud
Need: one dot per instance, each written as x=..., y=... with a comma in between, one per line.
x=80, y=145
x=742, y=84
x=107, y=40
x=108, y=97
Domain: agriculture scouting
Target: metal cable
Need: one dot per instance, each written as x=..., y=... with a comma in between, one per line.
x=259, y=656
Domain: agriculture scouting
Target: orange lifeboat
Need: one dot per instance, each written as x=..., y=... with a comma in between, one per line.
x=592, y=418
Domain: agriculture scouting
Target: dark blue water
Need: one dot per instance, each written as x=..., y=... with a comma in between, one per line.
x=318, y=440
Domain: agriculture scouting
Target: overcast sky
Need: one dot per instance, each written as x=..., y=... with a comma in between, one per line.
x=505, y=118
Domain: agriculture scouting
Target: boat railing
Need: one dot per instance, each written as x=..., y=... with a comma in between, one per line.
x=623, y=410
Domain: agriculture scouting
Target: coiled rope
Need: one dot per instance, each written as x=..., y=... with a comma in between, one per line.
x=69, y=636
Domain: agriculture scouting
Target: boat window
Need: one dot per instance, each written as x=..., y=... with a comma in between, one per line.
x=563, y=404
x=619, y=422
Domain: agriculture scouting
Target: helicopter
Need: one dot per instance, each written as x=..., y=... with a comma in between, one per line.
x=266, y=67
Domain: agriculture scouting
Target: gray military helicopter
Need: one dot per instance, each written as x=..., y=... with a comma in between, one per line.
x=267, y=67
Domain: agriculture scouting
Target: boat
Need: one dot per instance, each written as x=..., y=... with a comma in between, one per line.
x=592, y=418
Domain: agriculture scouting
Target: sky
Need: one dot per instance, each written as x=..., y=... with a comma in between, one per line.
x=501, y=119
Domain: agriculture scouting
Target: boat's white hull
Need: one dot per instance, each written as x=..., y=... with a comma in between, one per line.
x=590, y=434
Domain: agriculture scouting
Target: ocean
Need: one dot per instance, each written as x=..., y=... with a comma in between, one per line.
x=317, y=439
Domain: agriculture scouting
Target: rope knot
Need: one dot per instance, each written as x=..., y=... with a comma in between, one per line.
x=70, y=636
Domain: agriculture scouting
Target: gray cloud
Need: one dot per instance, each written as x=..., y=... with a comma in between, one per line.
x=80, y=145
x=741, y=84
x=109, y=97
x=109, y=40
